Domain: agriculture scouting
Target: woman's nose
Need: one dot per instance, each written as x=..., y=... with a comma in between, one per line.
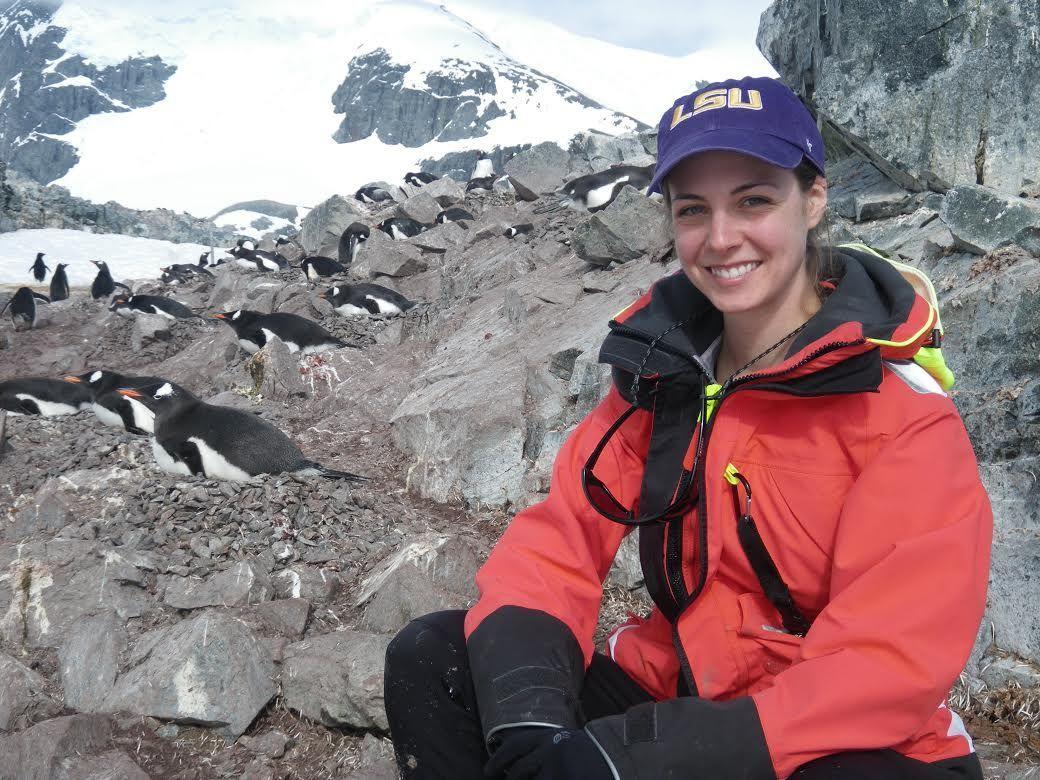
x=724, y=233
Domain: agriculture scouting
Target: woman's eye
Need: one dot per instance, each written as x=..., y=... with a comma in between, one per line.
x=755, y=200
x=687, y=211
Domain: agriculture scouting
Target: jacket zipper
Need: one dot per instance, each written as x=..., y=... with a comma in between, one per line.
x=673, y=558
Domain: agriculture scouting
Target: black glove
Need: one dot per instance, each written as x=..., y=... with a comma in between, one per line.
x=547, y=754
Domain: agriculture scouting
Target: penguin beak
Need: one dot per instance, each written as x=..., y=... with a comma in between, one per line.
x=218, y=316
x=323, y=296
x=74, y=379
x=128, y=393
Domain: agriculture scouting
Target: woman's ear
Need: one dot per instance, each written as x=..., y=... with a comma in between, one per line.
x=816, y=202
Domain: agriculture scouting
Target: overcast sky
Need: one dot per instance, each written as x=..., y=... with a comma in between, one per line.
x=665, y=26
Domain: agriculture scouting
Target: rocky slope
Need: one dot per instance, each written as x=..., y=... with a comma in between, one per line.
x=180, y=627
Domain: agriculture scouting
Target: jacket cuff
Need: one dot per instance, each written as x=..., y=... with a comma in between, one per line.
x=686, y=737
x=527, y=670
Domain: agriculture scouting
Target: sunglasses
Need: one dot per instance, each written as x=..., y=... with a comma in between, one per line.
x=603, y=501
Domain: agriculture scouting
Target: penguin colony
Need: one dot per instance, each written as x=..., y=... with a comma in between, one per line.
x=192, y=437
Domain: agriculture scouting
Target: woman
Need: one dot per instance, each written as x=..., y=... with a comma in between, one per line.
x=812, y=527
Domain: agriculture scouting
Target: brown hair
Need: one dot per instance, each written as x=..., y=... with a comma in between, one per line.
x=819, y=259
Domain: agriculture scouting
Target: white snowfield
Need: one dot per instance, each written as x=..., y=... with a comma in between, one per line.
x=248, y=112
x=128, y=257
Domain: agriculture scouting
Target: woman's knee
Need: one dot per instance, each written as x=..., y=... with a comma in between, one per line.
x=426, y=643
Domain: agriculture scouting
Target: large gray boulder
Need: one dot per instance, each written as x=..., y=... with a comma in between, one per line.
x=42, y=752
x=244, y=583
x=446, y=191
x=422, y=207
x=430, y=573
x=25, y=700
x=981, y=219
x=915, y=88
x=542, y=168
x=210, y=670
x=89, y=660
x=630, y=227
x=337, y=679
x=324, y=224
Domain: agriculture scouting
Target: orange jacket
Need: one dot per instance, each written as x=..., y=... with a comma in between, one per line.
x=866, y=495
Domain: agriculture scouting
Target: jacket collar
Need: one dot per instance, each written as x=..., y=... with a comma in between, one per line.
x=872, y=308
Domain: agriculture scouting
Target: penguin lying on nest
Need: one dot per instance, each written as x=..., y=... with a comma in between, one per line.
x=112, y=408
x=130, y=306
x=364, y=298
x=46, y=397
x=300, y=334
x=218, y=442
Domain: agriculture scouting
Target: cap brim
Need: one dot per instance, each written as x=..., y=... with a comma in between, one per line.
x=753, y=143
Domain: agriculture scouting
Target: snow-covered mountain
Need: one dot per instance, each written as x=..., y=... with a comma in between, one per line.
x=198, y=104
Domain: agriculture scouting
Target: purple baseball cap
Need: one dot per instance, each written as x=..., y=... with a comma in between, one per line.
x=759, y=116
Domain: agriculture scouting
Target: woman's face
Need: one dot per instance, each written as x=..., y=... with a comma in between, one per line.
x=740, y=232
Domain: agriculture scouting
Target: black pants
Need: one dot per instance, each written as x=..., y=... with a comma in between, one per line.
x=436, y=729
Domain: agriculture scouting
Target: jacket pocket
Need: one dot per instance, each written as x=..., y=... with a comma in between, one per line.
x=767, y=647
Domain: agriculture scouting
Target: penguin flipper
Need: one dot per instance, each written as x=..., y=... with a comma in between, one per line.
x=120, y=284
x=41, y=297
x=189, y=454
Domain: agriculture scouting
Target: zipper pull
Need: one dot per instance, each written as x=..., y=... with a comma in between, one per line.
x=712, y=395
x=735, y=478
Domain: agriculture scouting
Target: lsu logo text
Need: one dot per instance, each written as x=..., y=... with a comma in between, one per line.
x=718, y=98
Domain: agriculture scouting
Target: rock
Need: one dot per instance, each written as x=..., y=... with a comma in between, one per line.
x=147, y=328
x=287, y=617
x=89, y=660
x=631, y=226
x=324, y=224
x=51, y=585
x=627, y=571
x=981, y=219
x=110, y=765
x=859, y=191
x=421, y=207
x=446, y=191
x=317, y=586
x=38, y=753
x=272, y=744
x=540, y=169
x=925, y=114
x=244, y=583
x=596, y=151
x=276, y=372
x=998, y=770
x=382, y=256
x=998, y=672
x=24, y=700
x=429, y=574
x=375, y=761
x=337, y=679
x=209, y=670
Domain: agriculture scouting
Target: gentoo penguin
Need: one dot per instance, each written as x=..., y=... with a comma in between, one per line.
x=103, y=284
x=39, y=268
x=179, y=273
x=516, y=230
x=203, y=261
x=315, y=266
x=482, y=184
x=47, y=397
x=452, y=215
x=112, y=408
x=60, y=283
x=399, y=228
x=255, y=329
x=483, y=168
x=596, y=191
x=419, y=178
x=219, y=442
x=130, y=306
x=373, y=193
x=353, y=237
x=248, y=257
x=357, y=300
x=23, y=307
